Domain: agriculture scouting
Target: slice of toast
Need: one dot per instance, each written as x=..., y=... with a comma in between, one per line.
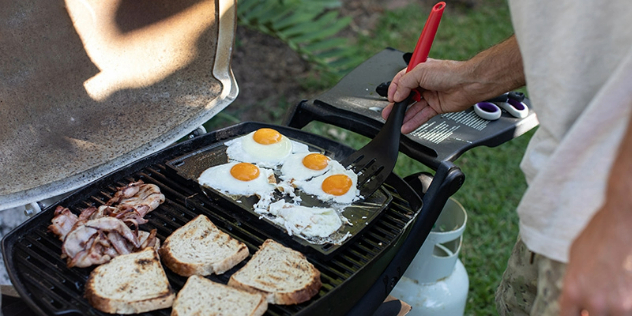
x=130, y=284
x=201, y=296
x=200, y=248
x=283, y=275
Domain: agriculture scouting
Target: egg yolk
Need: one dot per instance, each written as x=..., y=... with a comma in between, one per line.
x=337, y=184
x=244, y=171
x=315, y=161
x=267, y=136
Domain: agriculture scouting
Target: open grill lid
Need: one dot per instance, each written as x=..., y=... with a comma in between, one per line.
x=89, y=86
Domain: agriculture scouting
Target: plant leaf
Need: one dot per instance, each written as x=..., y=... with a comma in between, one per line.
x=324, y=32
x=245, y=6
x=326, y=44
x=306, y=26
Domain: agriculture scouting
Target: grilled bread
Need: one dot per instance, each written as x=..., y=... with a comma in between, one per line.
x=200, y=248
x=201, y=296
x=282, y=275
x=130, y=284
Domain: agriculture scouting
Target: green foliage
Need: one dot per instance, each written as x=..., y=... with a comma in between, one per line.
x=306, y=26
x=461, y=34
x=494, y=183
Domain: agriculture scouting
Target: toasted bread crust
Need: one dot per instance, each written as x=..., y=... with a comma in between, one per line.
x=110, y=305
x=184, y=268
x=208, y=285
x=261, y=309
x=305, y=293
x=284, y=298
x=126, y=307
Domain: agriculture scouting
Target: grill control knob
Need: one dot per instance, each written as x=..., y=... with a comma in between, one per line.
x=382, y=88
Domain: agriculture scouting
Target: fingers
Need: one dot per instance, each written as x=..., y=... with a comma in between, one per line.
x=418, y=114
x=404, y=83
x=393, y=86
x=387, y=110
x=567, y=308
x=404, y=87
x=575, y=300
x=418, y=119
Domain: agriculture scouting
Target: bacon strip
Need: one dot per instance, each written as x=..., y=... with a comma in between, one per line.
x=63, y=222
x=99, y=234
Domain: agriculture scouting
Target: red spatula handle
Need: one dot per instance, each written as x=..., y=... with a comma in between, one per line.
x=427, y=36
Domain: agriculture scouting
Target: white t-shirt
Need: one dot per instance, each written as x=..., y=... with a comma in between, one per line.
x=578, y=66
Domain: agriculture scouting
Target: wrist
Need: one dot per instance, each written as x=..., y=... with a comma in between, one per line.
x=482, y=83
x=496, y=70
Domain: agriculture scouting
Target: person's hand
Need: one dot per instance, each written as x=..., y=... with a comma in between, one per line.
x=598, y=279
x=442, y=85
x=452, y=86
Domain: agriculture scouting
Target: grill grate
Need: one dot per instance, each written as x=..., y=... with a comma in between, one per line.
x=59, y=289
x=49, y=287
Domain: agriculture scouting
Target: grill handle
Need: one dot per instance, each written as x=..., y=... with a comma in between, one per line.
x=446, y=181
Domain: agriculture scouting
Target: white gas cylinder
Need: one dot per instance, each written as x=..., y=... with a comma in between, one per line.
x=436, y=282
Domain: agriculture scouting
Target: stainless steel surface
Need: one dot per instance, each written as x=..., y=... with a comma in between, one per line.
x=9, y=219
x=90, y=86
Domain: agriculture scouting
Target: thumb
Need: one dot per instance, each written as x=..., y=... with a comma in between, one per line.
x=407, y=83
x=387, y=110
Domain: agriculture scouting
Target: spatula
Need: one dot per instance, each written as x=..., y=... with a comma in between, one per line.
x=374, y=162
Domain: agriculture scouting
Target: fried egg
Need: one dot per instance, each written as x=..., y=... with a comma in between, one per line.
x=265, y=147
x=306, y=221
x=239, y=178
x=304, y=166
x=337, y=185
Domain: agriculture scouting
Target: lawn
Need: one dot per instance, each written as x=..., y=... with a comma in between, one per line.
x=494, y=182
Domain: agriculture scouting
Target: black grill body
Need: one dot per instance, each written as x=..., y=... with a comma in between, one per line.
x=32, y=255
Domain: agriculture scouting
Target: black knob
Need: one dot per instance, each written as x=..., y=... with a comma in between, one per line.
x=382, y=88
x=407, y=57
x=515, y=95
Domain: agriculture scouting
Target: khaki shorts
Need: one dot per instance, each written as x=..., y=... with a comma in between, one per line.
x=531, y=284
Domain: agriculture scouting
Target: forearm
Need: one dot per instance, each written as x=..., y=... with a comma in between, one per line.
x=598, y=276
x=496, y=70
x=620, y=180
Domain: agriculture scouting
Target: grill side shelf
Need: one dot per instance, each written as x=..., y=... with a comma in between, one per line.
x=354, y=104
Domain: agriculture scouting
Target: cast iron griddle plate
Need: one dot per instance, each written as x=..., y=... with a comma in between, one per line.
x=361, y=214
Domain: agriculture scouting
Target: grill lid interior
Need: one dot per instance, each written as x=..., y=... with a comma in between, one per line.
x=89, y=86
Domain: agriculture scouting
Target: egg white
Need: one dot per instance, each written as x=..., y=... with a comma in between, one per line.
x=246, y=149
x=293, y=168
x=314, y=186
x=306, y=221
x=220, y=178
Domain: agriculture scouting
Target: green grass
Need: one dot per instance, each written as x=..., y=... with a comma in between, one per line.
x=494, y=183
x=461, y=34
x=493, y=187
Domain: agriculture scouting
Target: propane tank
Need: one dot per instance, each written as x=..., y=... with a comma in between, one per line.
x=436, y=282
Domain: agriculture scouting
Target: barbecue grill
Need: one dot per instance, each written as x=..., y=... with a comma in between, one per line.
x=356, y=278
